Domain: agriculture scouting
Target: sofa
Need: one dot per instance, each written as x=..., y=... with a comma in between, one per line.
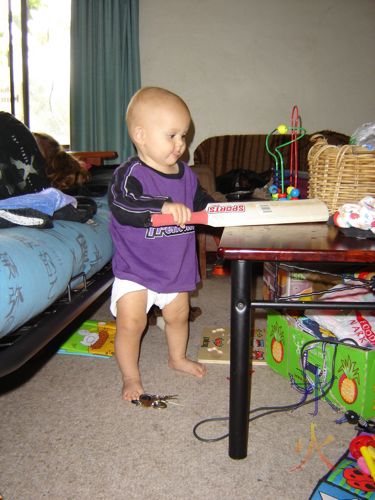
x=50, y=276
x=218, y=155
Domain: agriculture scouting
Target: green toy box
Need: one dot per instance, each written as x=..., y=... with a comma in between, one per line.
x=303, y=358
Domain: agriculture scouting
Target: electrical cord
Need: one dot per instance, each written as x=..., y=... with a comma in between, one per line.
x=269, y=410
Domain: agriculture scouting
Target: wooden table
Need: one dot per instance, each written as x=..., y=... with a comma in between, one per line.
x=296, y=243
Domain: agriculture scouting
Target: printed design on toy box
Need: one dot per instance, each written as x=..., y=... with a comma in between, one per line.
x=277, y=343
x=348, y=381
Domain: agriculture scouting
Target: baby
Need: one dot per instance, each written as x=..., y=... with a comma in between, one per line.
x=154, y=266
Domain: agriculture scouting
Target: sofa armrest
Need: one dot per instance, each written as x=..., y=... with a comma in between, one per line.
x=206, y=179
x=95, y=158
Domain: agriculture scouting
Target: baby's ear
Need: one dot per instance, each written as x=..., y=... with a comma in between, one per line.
x=138, y=135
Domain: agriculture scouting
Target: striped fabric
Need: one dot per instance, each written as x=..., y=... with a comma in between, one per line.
x=227, y=152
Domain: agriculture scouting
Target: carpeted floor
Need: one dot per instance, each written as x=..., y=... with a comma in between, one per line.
x=67, y=435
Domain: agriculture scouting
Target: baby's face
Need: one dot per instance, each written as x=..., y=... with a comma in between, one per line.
x=164, y=137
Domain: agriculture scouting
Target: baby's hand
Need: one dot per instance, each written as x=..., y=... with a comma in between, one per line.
x=180, y=212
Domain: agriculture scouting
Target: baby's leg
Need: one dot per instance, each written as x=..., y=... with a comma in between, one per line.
x=176, y=316
x=130, y=324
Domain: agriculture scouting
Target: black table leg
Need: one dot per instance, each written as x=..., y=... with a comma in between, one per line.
x=240, y=378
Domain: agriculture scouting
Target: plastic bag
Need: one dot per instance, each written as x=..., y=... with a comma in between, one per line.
x=364, y=136
x=347, y=324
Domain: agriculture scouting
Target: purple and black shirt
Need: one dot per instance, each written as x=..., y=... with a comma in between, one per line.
x=161, y=259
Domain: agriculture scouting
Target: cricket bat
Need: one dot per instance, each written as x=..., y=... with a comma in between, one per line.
x=253, y=213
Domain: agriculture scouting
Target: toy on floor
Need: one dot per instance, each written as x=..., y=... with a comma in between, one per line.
x=93, y=338
x=279, y=190
x=362, y=449
x=221, y=267
x=353, y=475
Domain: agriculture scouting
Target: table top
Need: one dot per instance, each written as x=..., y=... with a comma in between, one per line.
x=311, y=242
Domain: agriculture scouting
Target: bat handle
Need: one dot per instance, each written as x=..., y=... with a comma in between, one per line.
x=158, y=220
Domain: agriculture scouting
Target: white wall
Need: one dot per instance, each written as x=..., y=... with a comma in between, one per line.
x=241, y=65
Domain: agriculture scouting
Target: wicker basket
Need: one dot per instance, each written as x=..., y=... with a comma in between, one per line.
x=340, y=174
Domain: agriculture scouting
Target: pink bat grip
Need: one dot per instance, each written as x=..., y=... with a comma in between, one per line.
x=158, y=220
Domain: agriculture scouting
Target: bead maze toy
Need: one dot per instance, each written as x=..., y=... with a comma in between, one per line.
x=279, y=190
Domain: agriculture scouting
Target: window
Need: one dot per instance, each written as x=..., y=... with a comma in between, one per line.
x=35, y=64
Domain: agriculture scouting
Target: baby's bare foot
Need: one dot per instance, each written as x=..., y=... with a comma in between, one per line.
x=132, y=388
x=186, y=365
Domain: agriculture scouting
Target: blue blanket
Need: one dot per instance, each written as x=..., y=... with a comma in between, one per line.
x=47, y=201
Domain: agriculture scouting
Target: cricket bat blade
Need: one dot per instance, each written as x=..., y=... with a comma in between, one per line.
x=253, y=213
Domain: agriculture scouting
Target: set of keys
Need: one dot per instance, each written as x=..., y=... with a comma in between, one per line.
x=153, y=401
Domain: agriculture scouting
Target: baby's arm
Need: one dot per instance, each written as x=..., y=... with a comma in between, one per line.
x=127, y=202
x=131, y=206
x=181, y=213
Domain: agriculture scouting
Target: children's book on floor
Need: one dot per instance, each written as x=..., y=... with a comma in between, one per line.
x=215, y=346
x=92, y=338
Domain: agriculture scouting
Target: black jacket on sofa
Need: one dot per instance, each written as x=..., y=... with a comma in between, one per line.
x=22, y=166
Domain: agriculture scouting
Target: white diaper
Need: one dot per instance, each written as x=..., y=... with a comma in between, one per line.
x=121, y=287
